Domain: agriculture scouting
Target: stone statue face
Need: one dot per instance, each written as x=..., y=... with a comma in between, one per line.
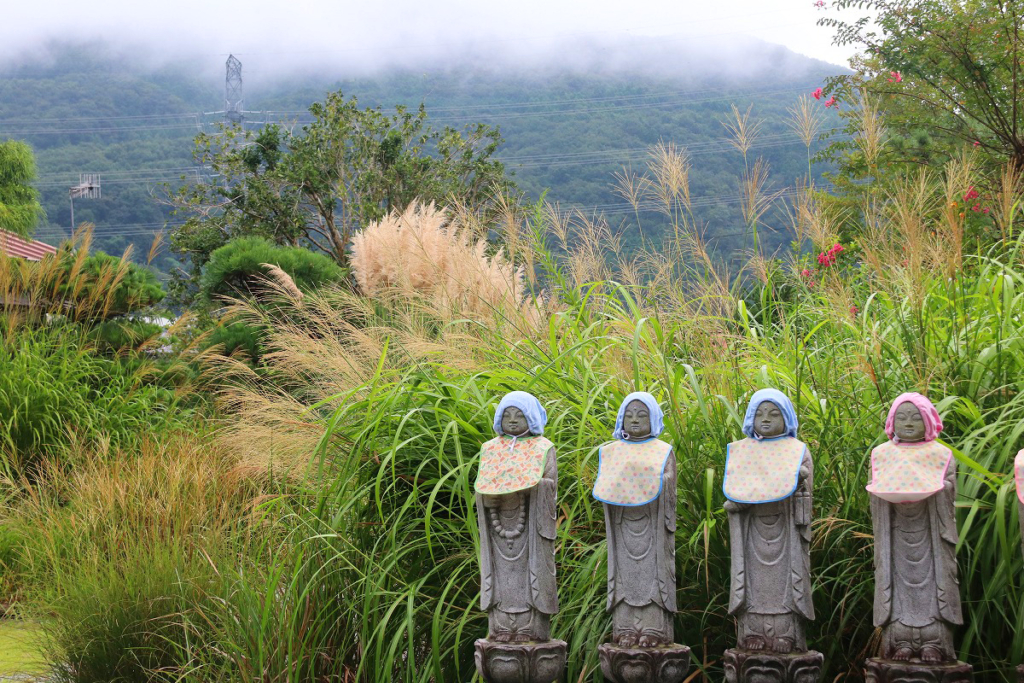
x=513, y=422
x=636, y=421
x=908, y=423
x=768, y=420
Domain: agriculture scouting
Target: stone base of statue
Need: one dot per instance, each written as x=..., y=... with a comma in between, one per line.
x=534, y=662
x=878, y=670
x=662, y=664
x=763, y=666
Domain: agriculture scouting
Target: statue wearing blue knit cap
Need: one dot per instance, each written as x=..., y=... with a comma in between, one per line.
x=636, y=481
x=768, y=484
x=516, y=489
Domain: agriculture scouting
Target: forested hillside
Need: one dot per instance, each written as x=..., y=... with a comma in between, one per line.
x=567, y=129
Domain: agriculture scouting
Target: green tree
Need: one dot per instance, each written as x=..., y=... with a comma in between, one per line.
x=109, y=295
x=107, y=286
x=241, y=268
x=19, y=201
x=945, y=74
x=315, y=187
x=241, y=265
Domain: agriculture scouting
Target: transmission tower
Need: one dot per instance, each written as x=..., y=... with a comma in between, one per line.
x=233, y=91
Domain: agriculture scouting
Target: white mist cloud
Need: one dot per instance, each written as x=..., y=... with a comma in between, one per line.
x=279, y=36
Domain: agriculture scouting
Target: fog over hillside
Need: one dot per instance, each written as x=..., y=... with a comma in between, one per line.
x=358, y=38
x=571, y=115
x=686, y=59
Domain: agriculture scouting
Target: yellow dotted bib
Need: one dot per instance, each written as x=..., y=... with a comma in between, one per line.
x=760, y=471
x=630, y=473
x=904, y=473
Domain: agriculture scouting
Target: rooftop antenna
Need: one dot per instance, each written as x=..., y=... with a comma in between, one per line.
x=88, y=187
x=233, y=112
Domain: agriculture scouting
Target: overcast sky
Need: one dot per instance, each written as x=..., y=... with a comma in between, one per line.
x=371, y=32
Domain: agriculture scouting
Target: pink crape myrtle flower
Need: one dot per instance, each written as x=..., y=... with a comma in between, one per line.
x=976, y=143
x=971, y=194
x=817, y=94
x=895, y=77
x=831, y=101
x=827, y=258
x=820, y=4
x=854, y=310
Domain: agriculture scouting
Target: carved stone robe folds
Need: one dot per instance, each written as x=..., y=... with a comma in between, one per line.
x=641, y=562
x=770, y=594
x=917, y=594
x=517, y=569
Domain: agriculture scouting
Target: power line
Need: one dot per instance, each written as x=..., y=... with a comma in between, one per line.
x=442, y=119
x=454, y=108
x=111, y=117
x=647, y=149
x=640, y=154
x=89, y=131
x=577, y=100
x=524, y=161
x=611, y=209
x=551, y=161
x=127, y=181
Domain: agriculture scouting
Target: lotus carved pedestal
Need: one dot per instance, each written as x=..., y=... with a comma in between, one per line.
x=754, y=666
x=662, y=664
x=520, y=662
x=878, y=670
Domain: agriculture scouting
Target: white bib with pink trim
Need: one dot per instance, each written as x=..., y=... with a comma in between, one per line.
x=762, y=471
x=905, y=473
x=1018, y=474
x=630, y=473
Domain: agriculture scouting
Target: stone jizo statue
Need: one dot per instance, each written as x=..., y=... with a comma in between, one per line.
x=515, y=501
x=913, y=487
x=769, y=479
x=636, y=481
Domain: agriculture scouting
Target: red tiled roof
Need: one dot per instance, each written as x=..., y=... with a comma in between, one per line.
x=32, y=250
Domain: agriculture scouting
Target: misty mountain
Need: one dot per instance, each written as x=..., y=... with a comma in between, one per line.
x=571, y=117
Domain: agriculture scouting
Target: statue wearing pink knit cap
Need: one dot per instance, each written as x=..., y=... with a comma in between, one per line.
x=913, y=486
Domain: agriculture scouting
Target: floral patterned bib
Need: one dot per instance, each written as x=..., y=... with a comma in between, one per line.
x=761, y=471
x=509, y=464
x=630, y=473
x=1018, y=475
x=904, y=473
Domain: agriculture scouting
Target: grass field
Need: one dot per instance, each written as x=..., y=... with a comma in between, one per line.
x=19, y=648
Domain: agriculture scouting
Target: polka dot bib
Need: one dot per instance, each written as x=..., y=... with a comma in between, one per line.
x=904, y=473
x=1018, y=475
x=630, y=473
x=760, y=471
x=509, y=464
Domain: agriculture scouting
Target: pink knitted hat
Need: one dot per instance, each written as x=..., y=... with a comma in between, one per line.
x=932, y=421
